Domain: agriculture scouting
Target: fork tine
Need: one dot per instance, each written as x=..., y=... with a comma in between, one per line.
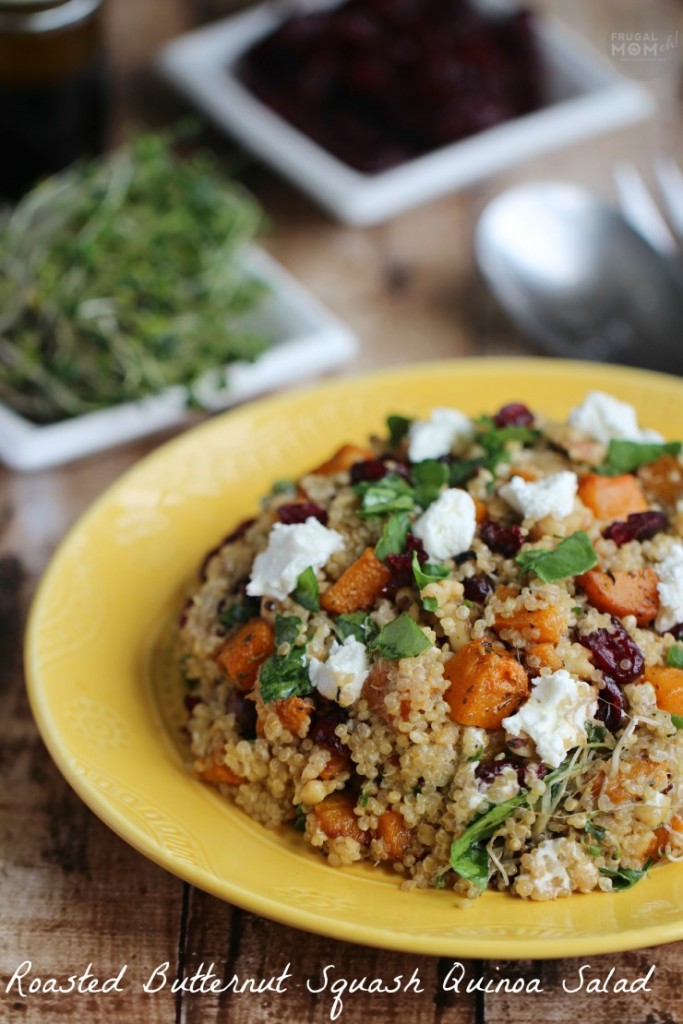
x=640, y=209
x=670, y=180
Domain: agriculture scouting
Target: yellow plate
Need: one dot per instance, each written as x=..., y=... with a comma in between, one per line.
x=108, y=705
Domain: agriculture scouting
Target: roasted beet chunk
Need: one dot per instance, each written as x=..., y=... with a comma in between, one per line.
x=611, y=706
x=299, y=511
x=638, y=526
x=323, y=733
x=514, y=415
x=489, y=770
x=478, y=588
x=615, y=653
x=504, y=540
x=402, y=566
x=368, y=470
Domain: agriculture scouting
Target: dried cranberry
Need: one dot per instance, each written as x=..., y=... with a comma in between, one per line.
x=190, y=701
x=615, y=653
x=401, y=566
x=638, y=526
x=182, y=618
x=514, y=415
x=295, y=512
x=369, y=469
x=504, y=540
x=478, y=588
x=466, y=556
x=323, y=733
x=488, y=771
x=611, y=705
x=676, y=631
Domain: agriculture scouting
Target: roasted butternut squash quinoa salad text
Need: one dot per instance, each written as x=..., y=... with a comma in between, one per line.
x=454, y=651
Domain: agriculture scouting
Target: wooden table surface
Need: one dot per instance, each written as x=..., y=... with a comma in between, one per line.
x=71, y=892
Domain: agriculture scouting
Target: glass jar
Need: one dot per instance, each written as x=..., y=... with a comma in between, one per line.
x=52, y=88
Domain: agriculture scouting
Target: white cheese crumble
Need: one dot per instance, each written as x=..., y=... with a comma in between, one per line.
x=341, y=677
x=670, y=588
x=552, y=496
x=291, y=549
x=448, y=526
x=432, y=438
x=554, y=716
x=604, y=417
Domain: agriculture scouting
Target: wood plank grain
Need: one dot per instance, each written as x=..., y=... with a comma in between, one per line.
x=584, y=989
x=245, y=946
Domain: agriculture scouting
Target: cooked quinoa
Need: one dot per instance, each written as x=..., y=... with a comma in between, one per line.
x=453, y=651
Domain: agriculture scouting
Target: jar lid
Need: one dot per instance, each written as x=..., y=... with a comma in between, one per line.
x=38, y=16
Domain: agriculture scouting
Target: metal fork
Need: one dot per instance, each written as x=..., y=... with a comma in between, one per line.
x=664, y=231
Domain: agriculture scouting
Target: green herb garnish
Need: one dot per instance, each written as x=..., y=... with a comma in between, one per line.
x=624, y=878
x=390, y=494
x=429, y=477
x=239, y=612
x=469, y=856
x=595, y=733
x=596, y=831
x=428, y=573
x=674, y=656
x=357, y=624
x=398, y=427
x=677, y=721
x=285, y=675
x=626, y=456
x=400, y=638
x=122, y=277
x=284, y=487
x=300, y=820
x=430, y=604
x=572, y=556
x=394, y=534
x=307, y=592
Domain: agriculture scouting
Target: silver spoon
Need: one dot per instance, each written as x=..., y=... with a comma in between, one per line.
x=575, y=277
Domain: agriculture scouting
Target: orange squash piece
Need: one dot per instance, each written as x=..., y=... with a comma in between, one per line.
x=630, y=781
x=487, y=684
x=623, y=593
x=662, y=838
x=242, y=655
x=663, y=479
x=343, y=459
x=668, y=685
x=612, y=497
x=216, y=773
x=358, y=587
x=397, y=837
x=337, y=820
x=537, y=626
x=294, y=712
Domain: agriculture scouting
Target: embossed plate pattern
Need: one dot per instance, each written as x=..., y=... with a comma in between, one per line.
x=103, y=691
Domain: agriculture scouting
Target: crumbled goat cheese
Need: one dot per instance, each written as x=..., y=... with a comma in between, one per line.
x=432, y=438
x=670, y=587
x=448, y=526
x=554, y=716
x=291, y=549
x=604, y=417
x=552, y=496
x=341, y=677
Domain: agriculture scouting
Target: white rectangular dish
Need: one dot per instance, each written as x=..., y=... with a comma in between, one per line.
x=306, y=341
x=586, y=96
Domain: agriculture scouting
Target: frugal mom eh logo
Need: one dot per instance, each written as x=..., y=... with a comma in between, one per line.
x=644, y=46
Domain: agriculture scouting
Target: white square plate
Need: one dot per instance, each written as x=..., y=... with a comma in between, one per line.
x=306, y=340
x=586, y=96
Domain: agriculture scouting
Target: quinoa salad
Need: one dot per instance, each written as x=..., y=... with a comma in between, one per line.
x=453, y=651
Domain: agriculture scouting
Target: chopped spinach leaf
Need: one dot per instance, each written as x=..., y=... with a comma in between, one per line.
x=430, y=604
x=429, y=477
x=307, y=592
x=285, y=675
x=284, y=487
x=300, y=820
x=400, y=638
x=677, y=721
x=460, y=472
x=239, y=612
x=571, y=557
x=357, y=624
x=428, y=573
x=674, y=656
x=390, y=494
x=626, y=456
x=624, y=878
x=394, y=534
x=595, y=733
x=398, y=427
